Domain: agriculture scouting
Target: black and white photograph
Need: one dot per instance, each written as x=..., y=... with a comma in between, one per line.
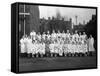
x=56, y=37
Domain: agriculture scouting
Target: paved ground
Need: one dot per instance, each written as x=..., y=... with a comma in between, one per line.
x=47, y=63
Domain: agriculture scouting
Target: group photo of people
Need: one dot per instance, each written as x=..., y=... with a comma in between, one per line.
x=57, y=44
x=56, y=37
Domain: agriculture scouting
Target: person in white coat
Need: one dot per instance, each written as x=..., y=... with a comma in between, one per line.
x=51, y=46
x=91, y=44
x=39, y=37
x=29, y=47
x=68, y=36
x=53, y=36
x=22, y=45
x=33, y=35
x=43, y=37
x=63, y=35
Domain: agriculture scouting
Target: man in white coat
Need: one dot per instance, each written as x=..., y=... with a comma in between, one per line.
x=33, y=35
x=22, y=45
x=91, y=44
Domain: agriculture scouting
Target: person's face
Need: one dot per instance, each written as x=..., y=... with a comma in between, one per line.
x=90, y=36
x=25, y=35
x=67, y=31
x=39, y=33
x=53, y=31
x=43, y=32
x=76, y=31
x=80, y=33
x=83, y=33
x=48, y=32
